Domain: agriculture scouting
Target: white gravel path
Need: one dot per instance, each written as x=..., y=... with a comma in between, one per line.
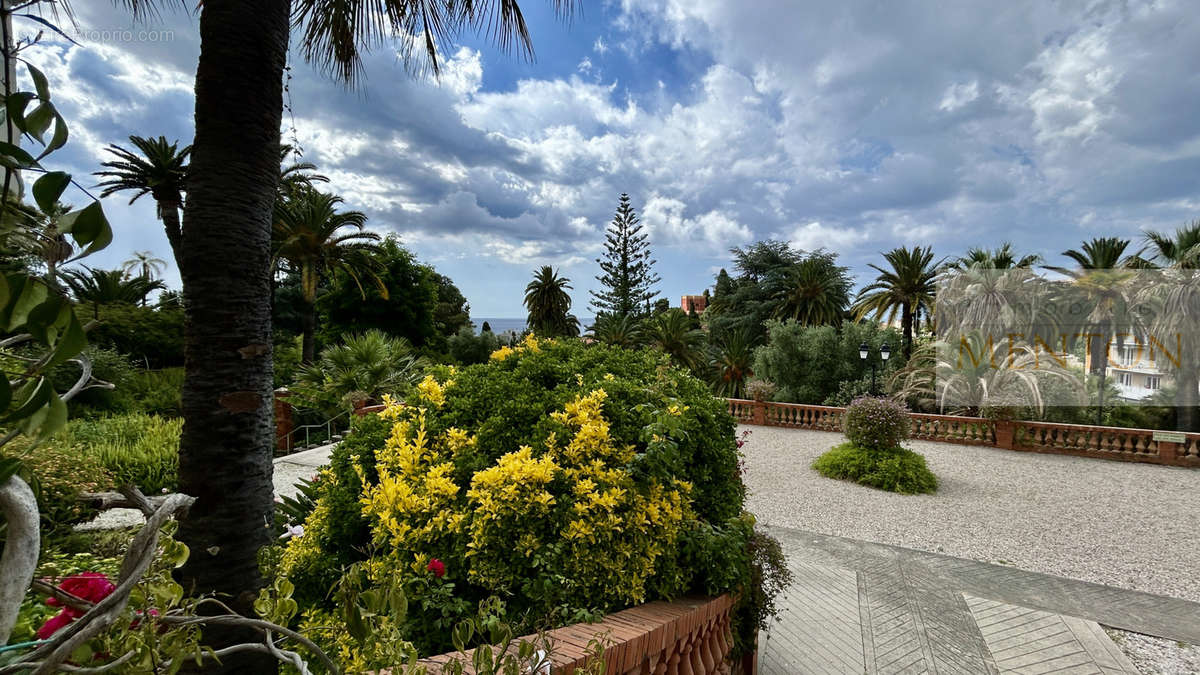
x=1118, y=523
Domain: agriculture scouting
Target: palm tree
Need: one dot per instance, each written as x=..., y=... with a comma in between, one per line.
x=962, y=378
x=1176, y=301
x=102, y=287
x=1002, y=258
x=618, y=331
x=159, y=170
x=1102, y=290
x=307, y=237
x=225, y=257
x=296, y=175
x=361, y=369
x=814, y=291
x=671, y=332
x=908, y=288
x=1180, y=250
x=1101, y=253
x=731, y=358
x=549, y=304
x=145, y=263
x=39, y=237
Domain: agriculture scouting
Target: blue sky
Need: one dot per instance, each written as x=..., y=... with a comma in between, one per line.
x=854, y=126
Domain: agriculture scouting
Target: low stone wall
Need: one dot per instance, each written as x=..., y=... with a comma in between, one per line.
x=691, y=636
x=1133, y=445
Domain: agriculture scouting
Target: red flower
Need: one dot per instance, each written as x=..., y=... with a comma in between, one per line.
x=51, y=627
x=437, y=567
x=90, y=586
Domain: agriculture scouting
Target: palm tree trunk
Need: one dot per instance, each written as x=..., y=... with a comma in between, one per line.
x=308, y=329
x=226, y=448
x=169, y=212
x=906, y=325
x=1099, y=354
x=1186, y=400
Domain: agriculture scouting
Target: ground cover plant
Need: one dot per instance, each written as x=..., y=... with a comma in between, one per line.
x=872, y=455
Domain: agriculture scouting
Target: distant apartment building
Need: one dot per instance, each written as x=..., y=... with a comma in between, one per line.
x=1136, y=368
x=688, y=303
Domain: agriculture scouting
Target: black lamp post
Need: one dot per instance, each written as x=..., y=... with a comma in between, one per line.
x=864, y=350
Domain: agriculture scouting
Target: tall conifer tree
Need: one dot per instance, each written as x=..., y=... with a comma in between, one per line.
x=627, y=270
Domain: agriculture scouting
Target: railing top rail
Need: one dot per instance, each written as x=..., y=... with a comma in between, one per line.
x=831, y=408
x=1094, y=427
x=336, y=417
x=953, y=418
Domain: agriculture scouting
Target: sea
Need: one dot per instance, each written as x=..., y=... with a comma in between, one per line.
x=504, y=325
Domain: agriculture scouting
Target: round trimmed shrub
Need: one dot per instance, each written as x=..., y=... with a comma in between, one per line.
x=877, y=423
x=893, y=469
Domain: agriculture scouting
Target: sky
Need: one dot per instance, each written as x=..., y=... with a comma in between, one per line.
x=854, y=126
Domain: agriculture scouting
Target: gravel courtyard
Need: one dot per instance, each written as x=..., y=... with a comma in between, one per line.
x=1117, y=523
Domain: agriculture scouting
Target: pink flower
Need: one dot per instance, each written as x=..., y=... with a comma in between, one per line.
x=437, y=567
x=56, y=622
x=90, y=586
x=137, y=619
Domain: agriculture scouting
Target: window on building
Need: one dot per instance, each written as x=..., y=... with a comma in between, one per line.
x=1153, y=382
x=1126, y=379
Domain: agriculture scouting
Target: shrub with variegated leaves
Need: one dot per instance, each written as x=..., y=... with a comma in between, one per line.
x=562, y=477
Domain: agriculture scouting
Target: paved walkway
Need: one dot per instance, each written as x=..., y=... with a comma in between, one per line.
x=859, y=607
x=289, y=469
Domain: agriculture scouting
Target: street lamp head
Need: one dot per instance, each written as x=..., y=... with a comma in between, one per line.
x=885, y=351
x=863, y=350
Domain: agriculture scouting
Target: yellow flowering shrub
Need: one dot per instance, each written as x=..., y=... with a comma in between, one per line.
x=562, y=477
x=576, y=509
x=527, y=515
x=413, y=505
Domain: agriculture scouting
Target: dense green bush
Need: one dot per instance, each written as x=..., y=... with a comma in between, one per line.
x=895, y=470
x=155, y=392
x=150, y=337
x=877, y=423
x=467, y=348
x=564, y=478
x=139, y=449
x=810, y=364
x=108, y=365
x=61, y=469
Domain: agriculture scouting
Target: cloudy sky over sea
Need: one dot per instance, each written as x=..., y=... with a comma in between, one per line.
x=855, y=126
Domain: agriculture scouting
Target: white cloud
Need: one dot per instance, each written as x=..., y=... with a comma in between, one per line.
x=715, y=231
x=814, y=235
x=959, y=95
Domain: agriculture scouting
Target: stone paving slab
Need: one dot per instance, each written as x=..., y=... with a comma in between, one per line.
x=1146, y=613
x=1032, y=642
x=857, y=607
